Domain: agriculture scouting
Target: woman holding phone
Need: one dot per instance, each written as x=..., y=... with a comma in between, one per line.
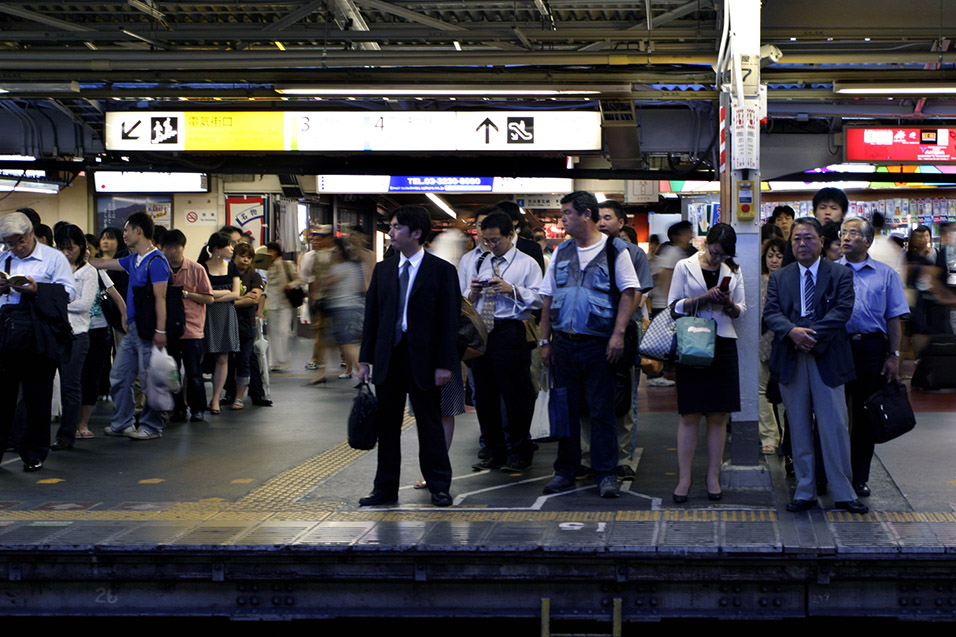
x=708, y=284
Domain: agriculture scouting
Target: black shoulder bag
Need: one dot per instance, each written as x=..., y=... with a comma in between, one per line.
x=144, y=303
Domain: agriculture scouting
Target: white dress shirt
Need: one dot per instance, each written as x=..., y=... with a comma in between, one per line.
x=44, y=264
x=688, y=282
x=518, y=269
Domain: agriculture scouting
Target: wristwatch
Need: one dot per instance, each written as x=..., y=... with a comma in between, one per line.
x=543, y=342
x=896, y=353
x=185, y=294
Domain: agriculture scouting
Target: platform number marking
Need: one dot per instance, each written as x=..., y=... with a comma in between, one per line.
x=520, y=130
x=164, y=130
x=105, y=596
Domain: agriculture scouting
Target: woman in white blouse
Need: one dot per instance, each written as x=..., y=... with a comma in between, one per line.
x=708, y=284
x=71, y=241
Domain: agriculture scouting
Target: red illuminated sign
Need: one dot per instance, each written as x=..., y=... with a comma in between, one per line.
x=913, y=145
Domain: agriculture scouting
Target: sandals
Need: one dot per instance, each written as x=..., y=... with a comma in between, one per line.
x=768, y=450
x=421, y=484
x=84, y=434
x=237, y=405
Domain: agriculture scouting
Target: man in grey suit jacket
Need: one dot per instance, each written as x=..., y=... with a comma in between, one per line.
x=808, y=305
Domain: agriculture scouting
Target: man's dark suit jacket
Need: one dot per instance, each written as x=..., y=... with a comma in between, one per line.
x=832, y=304
x=434, y=306
x=532, y=249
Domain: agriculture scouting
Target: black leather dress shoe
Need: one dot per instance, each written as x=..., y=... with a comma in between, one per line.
x=798, y=505
x=862, y=490
x=441, y=499
x=262, y=402
x=32, y=465
x=60, y=445
x=853, y=506
x=376, y=498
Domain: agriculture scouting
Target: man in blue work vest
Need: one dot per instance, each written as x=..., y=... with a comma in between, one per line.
x=582, y=335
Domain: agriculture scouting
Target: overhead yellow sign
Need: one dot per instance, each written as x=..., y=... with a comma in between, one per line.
x=349, y=131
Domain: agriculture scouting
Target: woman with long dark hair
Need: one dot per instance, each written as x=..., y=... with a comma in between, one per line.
x=70, y=240
x=222, y=327
x=708, y=284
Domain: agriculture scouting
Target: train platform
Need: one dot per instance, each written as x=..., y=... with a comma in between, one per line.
x=254, y=514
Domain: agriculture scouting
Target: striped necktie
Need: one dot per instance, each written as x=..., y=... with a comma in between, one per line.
x=808, y=289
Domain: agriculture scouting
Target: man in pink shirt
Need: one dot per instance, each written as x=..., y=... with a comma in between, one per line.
x=197, y=294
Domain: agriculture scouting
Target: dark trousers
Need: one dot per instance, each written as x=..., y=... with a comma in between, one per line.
x=188, y=353
x=97, y=359
x=504, y=373
x=245, y=362
x=34, y=374
x=869, y=355
x=426, y=404
x=71, y=388
x=582, y=367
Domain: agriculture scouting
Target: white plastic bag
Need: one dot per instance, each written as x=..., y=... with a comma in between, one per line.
x=541, y=421
x=163, y=371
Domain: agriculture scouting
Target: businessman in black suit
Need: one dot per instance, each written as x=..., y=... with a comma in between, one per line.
x=808, y=305
x=410, y=339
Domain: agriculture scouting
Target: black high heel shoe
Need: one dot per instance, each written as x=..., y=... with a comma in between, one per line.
x=714, y=496
x=681, y=499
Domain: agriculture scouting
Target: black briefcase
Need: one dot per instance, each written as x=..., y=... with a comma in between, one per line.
x=362, y=432
x=889, y=412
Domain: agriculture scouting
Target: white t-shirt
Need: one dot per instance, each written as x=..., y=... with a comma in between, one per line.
x=625, y=276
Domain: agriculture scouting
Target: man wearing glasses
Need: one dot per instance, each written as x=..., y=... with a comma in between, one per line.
x=41, y=284
x=874, y=332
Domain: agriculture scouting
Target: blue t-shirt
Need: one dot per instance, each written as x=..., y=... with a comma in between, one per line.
x=136, y=266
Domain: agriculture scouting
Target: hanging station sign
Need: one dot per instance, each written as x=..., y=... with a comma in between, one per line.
x=348, y=131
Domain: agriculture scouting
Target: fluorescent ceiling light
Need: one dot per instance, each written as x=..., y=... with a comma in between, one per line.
x=7, y=185
x=448, y=90
x=279, y=45
x=438, y=201
x=895, y=88
x=457, y=45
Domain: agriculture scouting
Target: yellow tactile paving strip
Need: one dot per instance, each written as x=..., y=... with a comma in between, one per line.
x=278, y=500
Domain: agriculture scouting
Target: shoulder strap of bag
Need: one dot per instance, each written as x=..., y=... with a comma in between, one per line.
x=612, y=253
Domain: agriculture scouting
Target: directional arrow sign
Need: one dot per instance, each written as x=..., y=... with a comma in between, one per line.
x=488, y=124
x=127, y=133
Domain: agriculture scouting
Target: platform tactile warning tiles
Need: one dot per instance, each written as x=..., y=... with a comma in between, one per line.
x=457, y=535
x=691, y=538
x=633, y=535
x=866, y=537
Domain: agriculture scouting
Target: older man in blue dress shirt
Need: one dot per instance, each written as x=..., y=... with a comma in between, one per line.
x=874, y=333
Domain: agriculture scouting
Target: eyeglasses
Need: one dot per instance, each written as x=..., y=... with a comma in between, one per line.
x=852, y=233
x=15, y=242
x=720, y=256
x=493, y=241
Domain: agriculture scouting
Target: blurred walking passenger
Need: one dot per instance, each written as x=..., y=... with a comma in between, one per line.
x=346, y=305
x=282, y=277
x=708, y=284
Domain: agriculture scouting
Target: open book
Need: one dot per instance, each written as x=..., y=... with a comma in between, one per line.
x=14, y=279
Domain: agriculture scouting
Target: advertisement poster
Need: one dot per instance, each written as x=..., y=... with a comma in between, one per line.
x=248, y=213
x=112, y=210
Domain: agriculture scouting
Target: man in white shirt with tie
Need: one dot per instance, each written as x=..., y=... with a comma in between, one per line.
x=504, y=290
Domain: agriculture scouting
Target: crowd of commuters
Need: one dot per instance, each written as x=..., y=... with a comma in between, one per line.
x=85, y=307
x=834, y=317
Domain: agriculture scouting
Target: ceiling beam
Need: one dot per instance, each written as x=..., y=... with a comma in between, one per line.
x=673, y=14
x=408, y=14
x=294, y=16
x=33, y=16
